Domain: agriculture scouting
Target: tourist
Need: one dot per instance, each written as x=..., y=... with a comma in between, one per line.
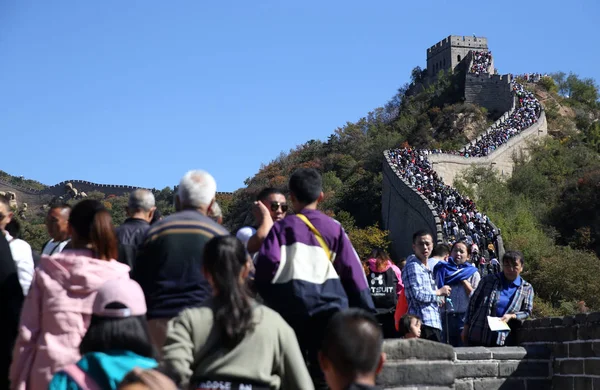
x=20, y=250
x=422, y=295
x=231, y=338
x=385, y=283
x=352, y=356
x=57, y=224
x=321, y=274
x=171, y=275
x=57, y=310
x=116, y=341
x=270, y=207
x=140, y=211
x=440, y=252
x=506, y=292
x=463, y=277
x=139, y=379
x=215, y=213
x=10, y=307
x=409, y=327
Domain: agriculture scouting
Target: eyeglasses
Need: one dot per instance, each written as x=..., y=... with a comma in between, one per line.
x=275, y=206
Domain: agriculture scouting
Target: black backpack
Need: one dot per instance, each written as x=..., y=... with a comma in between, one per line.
x=383, y=289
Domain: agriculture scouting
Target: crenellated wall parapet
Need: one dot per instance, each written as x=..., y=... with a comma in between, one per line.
x=448, y=166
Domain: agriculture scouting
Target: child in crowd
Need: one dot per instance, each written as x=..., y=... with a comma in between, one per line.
x=351, y=355
x=146, y=380
x=116, y=341
x=410, y=327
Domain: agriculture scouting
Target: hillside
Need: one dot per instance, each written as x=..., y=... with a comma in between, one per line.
x=548, y=184
x=547, y=208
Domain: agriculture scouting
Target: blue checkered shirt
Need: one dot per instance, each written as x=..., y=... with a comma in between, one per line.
x=420, y=288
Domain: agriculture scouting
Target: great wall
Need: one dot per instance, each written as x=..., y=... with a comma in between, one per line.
x=404, y=208
x=551, y=353
x=35, y=197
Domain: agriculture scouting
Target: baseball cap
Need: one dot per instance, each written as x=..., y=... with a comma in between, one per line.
x=244, y=234
x=124, y=291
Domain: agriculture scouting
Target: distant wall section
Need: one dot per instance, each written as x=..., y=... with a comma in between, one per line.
x=448, y=166
x=493, y=92
x=404, y=211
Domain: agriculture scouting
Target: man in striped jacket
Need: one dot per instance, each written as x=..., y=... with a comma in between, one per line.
x=307, y=269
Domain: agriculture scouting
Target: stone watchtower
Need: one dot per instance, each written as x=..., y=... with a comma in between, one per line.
x=450, y=52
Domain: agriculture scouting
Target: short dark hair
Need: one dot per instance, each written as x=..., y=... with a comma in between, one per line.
x=306, y=184
x=404, y=324
x=353, y=342
x=124, y=334
x=440, y=250
x=4, y=200
x=14, y=228
x=59, y=205
x=421, y=233
x=266, y=192
x=513, y=256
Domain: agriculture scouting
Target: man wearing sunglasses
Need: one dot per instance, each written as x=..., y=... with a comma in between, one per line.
x=270, y=207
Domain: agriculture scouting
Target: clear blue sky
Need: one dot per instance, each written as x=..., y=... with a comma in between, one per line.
x=139, y=91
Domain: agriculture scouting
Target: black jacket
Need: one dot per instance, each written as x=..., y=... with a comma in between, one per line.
x=171, y=260
x=10, y=307
x=131, y=236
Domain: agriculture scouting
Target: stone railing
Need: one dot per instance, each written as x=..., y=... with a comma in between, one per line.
x=575, y=345
x=448, y=166
x=559, y=353
x=418, y=364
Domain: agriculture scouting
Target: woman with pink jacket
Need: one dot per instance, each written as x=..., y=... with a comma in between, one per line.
x=58, y=308
x=385, y=283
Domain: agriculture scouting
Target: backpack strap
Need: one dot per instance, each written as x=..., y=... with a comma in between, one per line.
x=317, y=234
x=83, y=380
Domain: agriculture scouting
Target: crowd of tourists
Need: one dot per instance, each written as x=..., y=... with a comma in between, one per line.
x=482, y=61
x=459, y=216
x=179, y=303
x=525, y=115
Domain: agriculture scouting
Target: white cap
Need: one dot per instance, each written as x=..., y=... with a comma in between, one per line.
x=245, y=233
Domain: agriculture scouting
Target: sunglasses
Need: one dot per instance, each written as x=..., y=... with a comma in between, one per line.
x=275, y=206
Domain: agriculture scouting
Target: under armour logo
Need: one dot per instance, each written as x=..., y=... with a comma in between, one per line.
x=376, y=279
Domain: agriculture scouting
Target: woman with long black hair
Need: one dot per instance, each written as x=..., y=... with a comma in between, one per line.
x=231, y=338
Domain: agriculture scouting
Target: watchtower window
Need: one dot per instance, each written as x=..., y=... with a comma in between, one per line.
x=444, y=62
x=458, y=58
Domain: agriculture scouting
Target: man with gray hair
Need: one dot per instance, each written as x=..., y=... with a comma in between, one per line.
x=131, y=233
x=169, y=265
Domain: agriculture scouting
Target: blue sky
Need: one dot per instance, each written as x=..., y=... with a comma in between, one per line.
x=138, y=92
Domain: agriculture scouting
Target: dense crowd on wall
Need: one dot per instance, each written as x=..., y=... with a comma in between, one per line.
x=459, y=215
x=482, y=61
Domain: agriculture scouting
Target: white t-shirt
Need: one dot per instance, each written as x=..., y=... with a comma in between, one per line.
x=53, y=247
x=23, y=258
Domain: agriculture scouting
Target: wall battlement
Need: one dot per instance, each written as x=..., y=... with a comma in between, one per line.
x=39, y=197
x=468, y=42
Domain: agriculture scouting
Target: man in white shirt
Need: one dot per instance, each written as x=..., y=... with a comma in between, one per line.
x=57, y=224
x=20, y=250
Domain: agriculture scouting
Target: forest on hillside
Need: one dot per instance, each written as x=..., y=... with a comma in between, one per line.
x=547, y=208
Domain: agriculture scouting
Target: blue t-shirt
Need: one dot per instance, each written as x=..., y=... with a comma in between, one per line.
x=508, y=292
x=107, y=368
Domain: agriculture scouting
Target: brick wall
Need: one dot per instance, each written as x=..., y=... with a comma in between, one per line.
x=515, y=368
x=404, y=211
x=575, y=345
x=493, y=92
x=418, y=364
